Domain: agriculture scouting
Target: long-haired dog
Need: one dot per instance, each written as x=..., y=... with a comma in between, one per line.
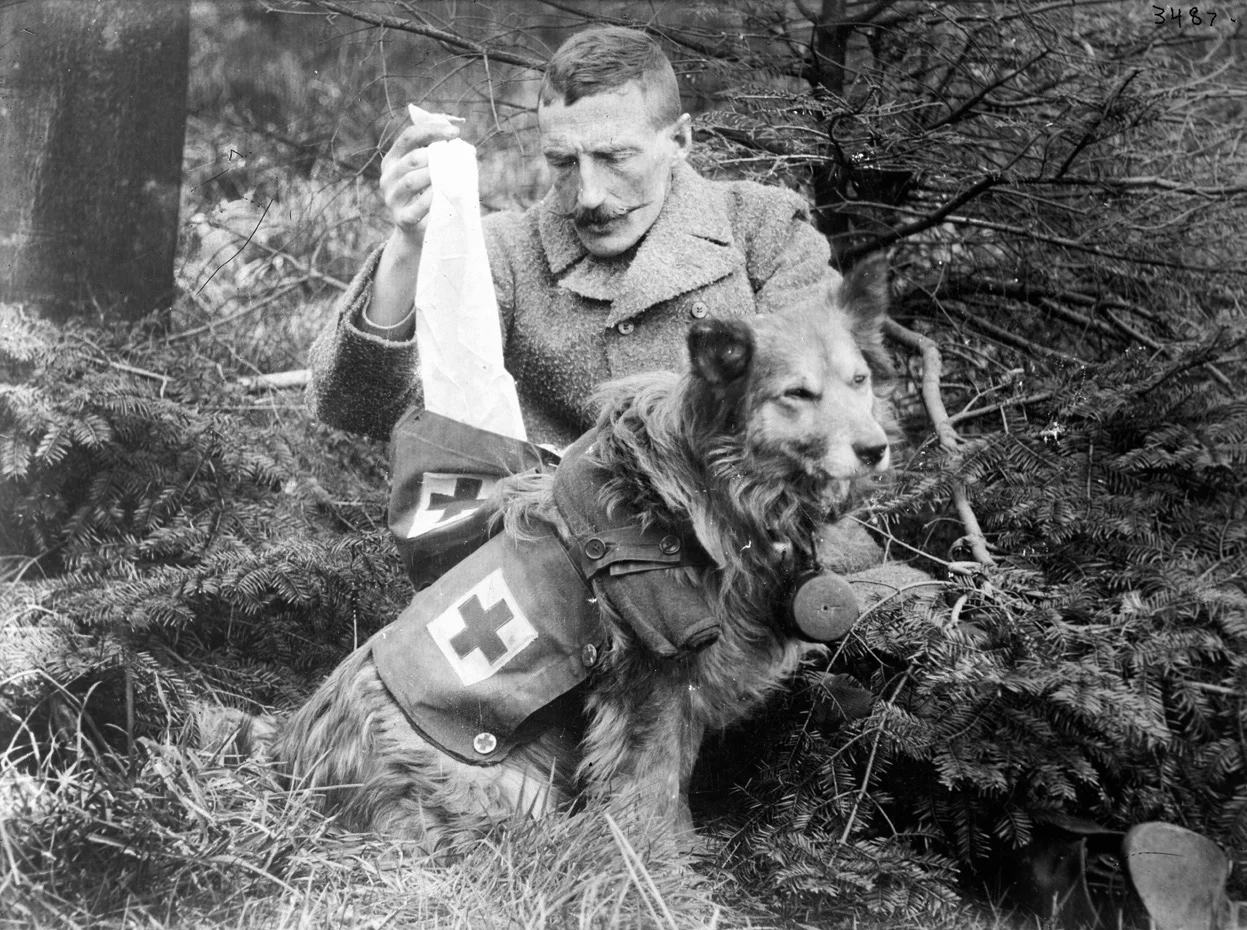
x=748, y=452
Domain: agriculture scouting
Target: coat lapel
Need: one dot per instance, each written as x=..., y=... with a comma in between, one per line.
x=689, y=246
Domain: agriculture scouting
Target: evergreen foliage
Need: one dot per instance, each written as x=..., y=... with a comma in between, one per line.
x=161, y=548
x=1102, y=670
x=170, y=540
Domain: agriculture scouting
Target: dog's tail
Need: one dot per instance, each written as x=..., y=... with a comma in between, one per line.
x=234, y=734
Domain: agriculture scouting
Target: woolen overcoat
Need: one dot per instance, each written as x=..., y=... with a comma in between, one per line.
x=570, y=321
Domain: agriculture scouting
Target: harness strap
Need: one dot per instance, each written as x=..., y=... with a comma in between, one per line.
x=623, y=550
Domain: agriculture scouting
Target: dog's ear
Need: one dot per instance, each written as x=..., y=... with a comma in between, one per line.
x=864, y=291
x=864, y=297
x=720, y=350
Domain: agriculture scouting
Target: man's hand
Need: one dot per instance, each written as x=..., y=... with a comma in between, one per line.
x=405, y=172
x=407, y=194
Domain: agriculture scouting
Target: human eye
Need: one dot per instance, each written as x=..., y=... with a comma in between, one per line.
x=800, y=393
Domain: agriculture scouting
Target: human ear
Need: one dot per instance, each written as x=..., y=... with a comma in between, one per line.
x=682, y=135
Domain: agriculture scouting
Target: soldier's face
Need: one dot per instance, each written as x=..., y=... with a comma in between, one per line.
x=612, y=167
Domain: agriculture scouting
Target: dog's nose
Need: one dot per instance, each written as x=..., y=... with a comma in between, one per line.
x=870, y=455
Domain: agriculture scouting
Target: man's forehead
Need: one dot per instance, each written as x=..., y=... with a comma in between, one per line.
x=615, y=117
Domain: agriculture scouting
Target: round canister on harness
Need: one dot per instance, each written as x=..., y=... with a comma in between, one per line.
x=823, y=607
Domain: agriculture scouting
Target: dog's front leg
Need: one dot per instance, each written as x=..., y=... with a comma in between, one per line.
x=640, y=749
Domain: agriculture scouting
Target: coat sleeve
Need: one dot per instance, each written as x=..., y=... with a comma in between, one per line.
x=363, y=383
x=360, y=382
x=786, y=257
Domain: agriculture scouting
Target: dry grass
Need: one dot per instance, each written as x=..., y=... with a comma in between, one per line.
x=193, y=840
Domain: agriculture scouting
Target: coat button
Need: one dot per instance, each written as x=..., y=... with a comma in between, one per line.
x=700, y=310
x=669, y=545
x=484, y=743
x=625, y=327
x=595, y=548
x=589, y=655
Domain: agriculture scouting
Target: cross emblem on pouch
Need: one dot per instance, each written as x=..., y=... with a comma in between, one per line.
x=465, y=496
x=483, y=630
x=480, y=629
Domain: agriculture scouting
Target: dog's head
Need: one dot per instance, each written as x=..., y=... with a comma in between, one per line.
x=799, y=386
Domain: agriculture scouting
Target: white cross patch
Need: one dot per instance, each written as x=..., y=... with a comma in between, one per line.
x=483, y=631
x=447, y=499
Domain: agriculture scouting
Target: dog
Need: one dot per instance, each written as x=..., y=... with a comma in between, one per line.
x=743, y=458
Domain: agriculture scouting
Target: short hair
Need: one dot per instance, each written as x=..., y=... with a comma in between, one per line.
x=605, y=58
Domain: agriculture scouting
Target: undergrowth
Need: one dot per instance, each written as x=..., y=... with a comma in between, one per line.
x=191, y=840
x=173, y=541
x=1100, y=669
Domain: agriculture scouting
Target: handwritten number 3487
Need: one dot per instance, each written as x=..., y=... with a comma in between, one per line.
x=1176, y=13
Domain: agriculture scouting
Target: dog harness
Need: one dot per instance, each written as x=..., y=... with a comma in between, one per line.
x=518, y=624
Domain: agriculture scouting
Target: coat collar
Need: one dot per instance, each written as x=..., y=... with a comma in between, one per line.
x=689, y=246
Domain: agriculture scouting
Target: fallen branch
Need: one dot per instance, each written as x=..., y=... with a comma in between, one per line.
x=949, y=440
x=298, y=377
x=142, y=373
x=932, y=366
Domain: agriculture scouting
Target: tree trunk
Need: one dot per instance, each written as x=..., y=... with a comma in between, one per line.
x=92, y=123
x=829, y=45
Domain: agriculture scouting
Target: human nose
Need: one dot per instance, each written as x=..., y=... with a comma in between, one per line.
x=590, y=191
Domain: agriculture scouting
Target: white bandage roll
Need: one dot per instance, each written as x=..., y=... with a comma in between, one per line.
x=458, y=332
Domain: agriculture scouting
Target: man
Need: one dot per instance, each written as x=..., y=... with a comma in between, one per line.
x=599, y=280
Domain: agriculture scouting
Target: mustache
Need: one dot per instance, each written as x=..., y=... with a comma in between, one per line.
x=596, y=216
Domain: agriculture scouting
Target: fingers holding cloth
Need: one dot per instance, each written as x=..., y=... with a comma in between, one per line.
x=406, y=188
x=405, y=179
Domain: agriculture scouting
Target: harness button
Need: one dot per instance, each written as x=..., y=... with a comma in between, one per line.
x=589, y=655
x=595, y=548
x=700, y=310
x=669, y=545
x=484, y=743
x=625, y=327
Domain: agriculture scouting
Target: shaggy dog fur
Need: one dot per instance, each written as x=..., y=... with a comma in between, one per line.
x=752, y=448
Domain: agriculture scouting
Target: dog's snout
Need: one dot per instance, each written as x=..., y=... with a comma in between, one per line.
x=870, y=455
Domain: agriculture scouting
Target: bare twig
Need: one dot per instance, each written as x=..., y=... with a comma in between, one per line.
x=1005, y=337
x=1089, y=133
x=304, y=267
x=933, y=400
x=143, y=373
x=250, y=308
x=933, y=219
x=1003, y=405
x=870, y=765
x=449, y=39
x=1153, y=182
x=1078, y=246
x=267, y=206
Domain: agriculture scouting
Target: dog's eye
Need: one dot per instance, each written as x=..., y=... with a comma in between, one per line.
x=800, y=393
x=859, y=380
